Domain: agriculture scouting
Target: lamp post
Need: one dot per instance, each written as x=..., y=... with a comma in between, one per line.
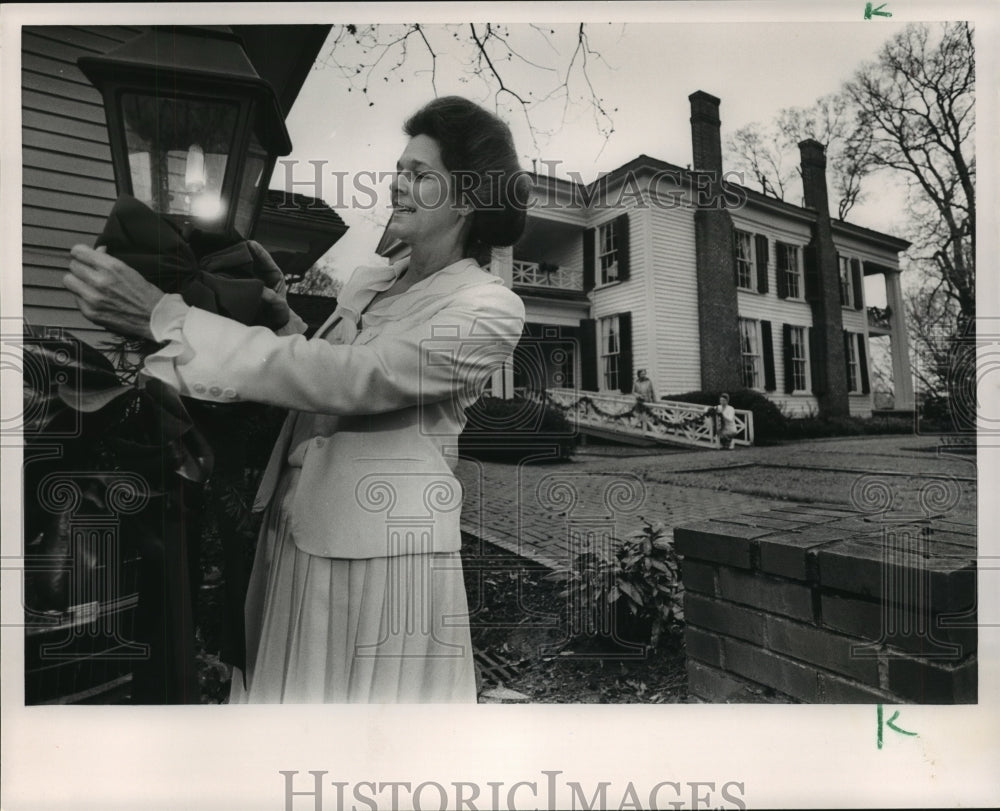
x=194, y=131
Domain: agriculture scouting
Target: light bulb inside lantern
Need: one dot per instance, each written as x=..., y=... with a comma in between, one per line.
x=208, y=206
x=194, y=170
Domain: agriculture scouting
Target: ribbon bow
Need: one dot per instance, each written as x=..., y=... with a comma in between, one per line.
x=212, y=272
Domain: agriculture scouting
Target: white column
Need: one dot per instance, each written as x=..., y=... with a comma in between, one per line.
x=502, y=265
x=902, y=377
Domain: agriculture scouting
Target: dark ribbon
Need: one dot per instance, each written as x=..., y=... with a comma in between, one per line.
x=212, y=272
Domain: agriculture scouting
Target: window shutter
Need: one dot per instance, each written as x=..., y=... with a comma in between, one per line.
x=625, y=352
x=811, y=267
x=840, y=287
x=761, y=250
x=767, y=349
x=588, y=354
x=863, y=364
x=589, y=266
x=779, y=274
x=847, y=360
x=736, y=263
x=786, y=342
x=859, y=285
x=817, y=361
x=624, y=254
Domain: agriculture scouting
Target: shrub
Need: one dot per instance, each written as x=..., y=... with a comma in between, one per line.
x=821, y=427
x=516, y=429
x=631, y=588
x=941, y=413
x=768, y=421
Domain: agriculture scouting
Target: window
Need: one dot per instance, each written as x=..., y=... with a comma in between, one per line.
x=846, y=283
x=789, y=269
x=607, y=251
x=750, y=367
x=853, y=369
x=799, y=359
x=744, y=260
x=610, y=353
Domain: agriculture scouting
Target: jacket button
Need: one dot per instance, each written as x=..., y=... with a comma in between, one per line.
x=215, y=391
x=320, y=442
x=199, y=388
x=229, y=394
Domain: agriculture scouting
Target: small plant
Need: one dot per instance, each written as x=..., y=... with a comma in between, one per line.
x=648, y=580
x=633, y=586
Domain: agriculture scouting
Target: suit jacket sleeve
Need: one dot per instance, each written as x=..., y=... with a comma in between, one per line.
x=449, y=355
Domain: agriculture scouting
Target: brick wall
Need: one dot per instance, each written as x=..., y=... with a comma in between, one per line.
x=718, y=310
x=826, y=606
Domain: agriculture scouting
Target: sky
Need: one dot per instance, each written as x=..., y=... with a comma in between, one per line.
x=644, y=73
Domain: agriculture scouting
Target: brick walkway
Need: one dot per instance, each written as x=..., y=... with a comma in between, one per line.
x=536, y=510
x=533, y=511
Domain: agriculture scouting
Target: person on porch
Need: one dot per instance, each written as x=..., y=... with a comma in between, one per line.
x=643, y=388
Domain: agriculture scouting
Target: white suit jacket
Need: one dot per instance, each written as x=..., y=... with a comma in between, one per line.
x=380, y=403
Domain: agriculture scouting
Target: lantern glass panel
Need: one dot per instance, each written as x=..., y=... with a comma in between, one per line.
x=250, y=185
x=177, y=151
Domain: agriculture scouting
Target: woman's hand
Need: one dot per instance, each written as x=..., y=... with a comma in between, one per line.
x=266, y=269
x=276, y=312
x=274, y=296
x=110, y=293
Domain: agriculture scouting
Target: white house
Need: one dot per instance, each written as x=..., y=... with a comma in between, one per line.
x=706, y=284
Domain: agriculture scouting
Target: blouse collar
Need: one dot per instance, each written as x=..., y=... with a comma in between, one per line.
x=369, y=280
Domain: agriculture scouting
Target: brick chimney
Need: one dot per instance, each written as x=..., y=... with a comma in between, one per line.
x=823, y=288
x=706, y=142
x=718, y=310
x=812, y=156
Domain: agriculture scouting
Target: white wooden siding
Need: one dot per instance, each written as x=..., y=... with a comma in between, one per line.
x=662, y=295
x=768, y=307
x=758, y=221
x=860, y=404
x=853, y=246
x=630, y=295
x=675, y=365
x=558, y=202
x=68, y=182
x=857, y=320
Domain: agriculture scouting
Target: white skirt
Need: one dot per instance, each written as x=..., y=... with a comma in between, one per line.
x=334, y=630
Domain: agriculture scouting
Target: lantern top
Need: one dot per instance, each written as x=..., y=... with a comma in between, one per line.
x=172, y=59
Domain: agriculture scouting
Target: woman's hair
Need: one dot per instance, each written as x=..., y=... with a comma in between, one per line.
x=478, y=149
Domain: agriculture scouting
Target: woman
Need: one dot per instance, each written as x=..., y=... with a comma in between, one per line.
x=357, y=593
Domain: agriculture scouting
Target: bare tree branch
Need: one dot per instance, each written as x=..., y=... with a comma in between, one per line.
x=494, y=54
x=918, y=101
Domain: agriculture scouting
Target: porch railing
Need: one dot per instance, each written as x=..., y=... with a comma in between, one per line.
x=535, y=274
x=661, y=421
